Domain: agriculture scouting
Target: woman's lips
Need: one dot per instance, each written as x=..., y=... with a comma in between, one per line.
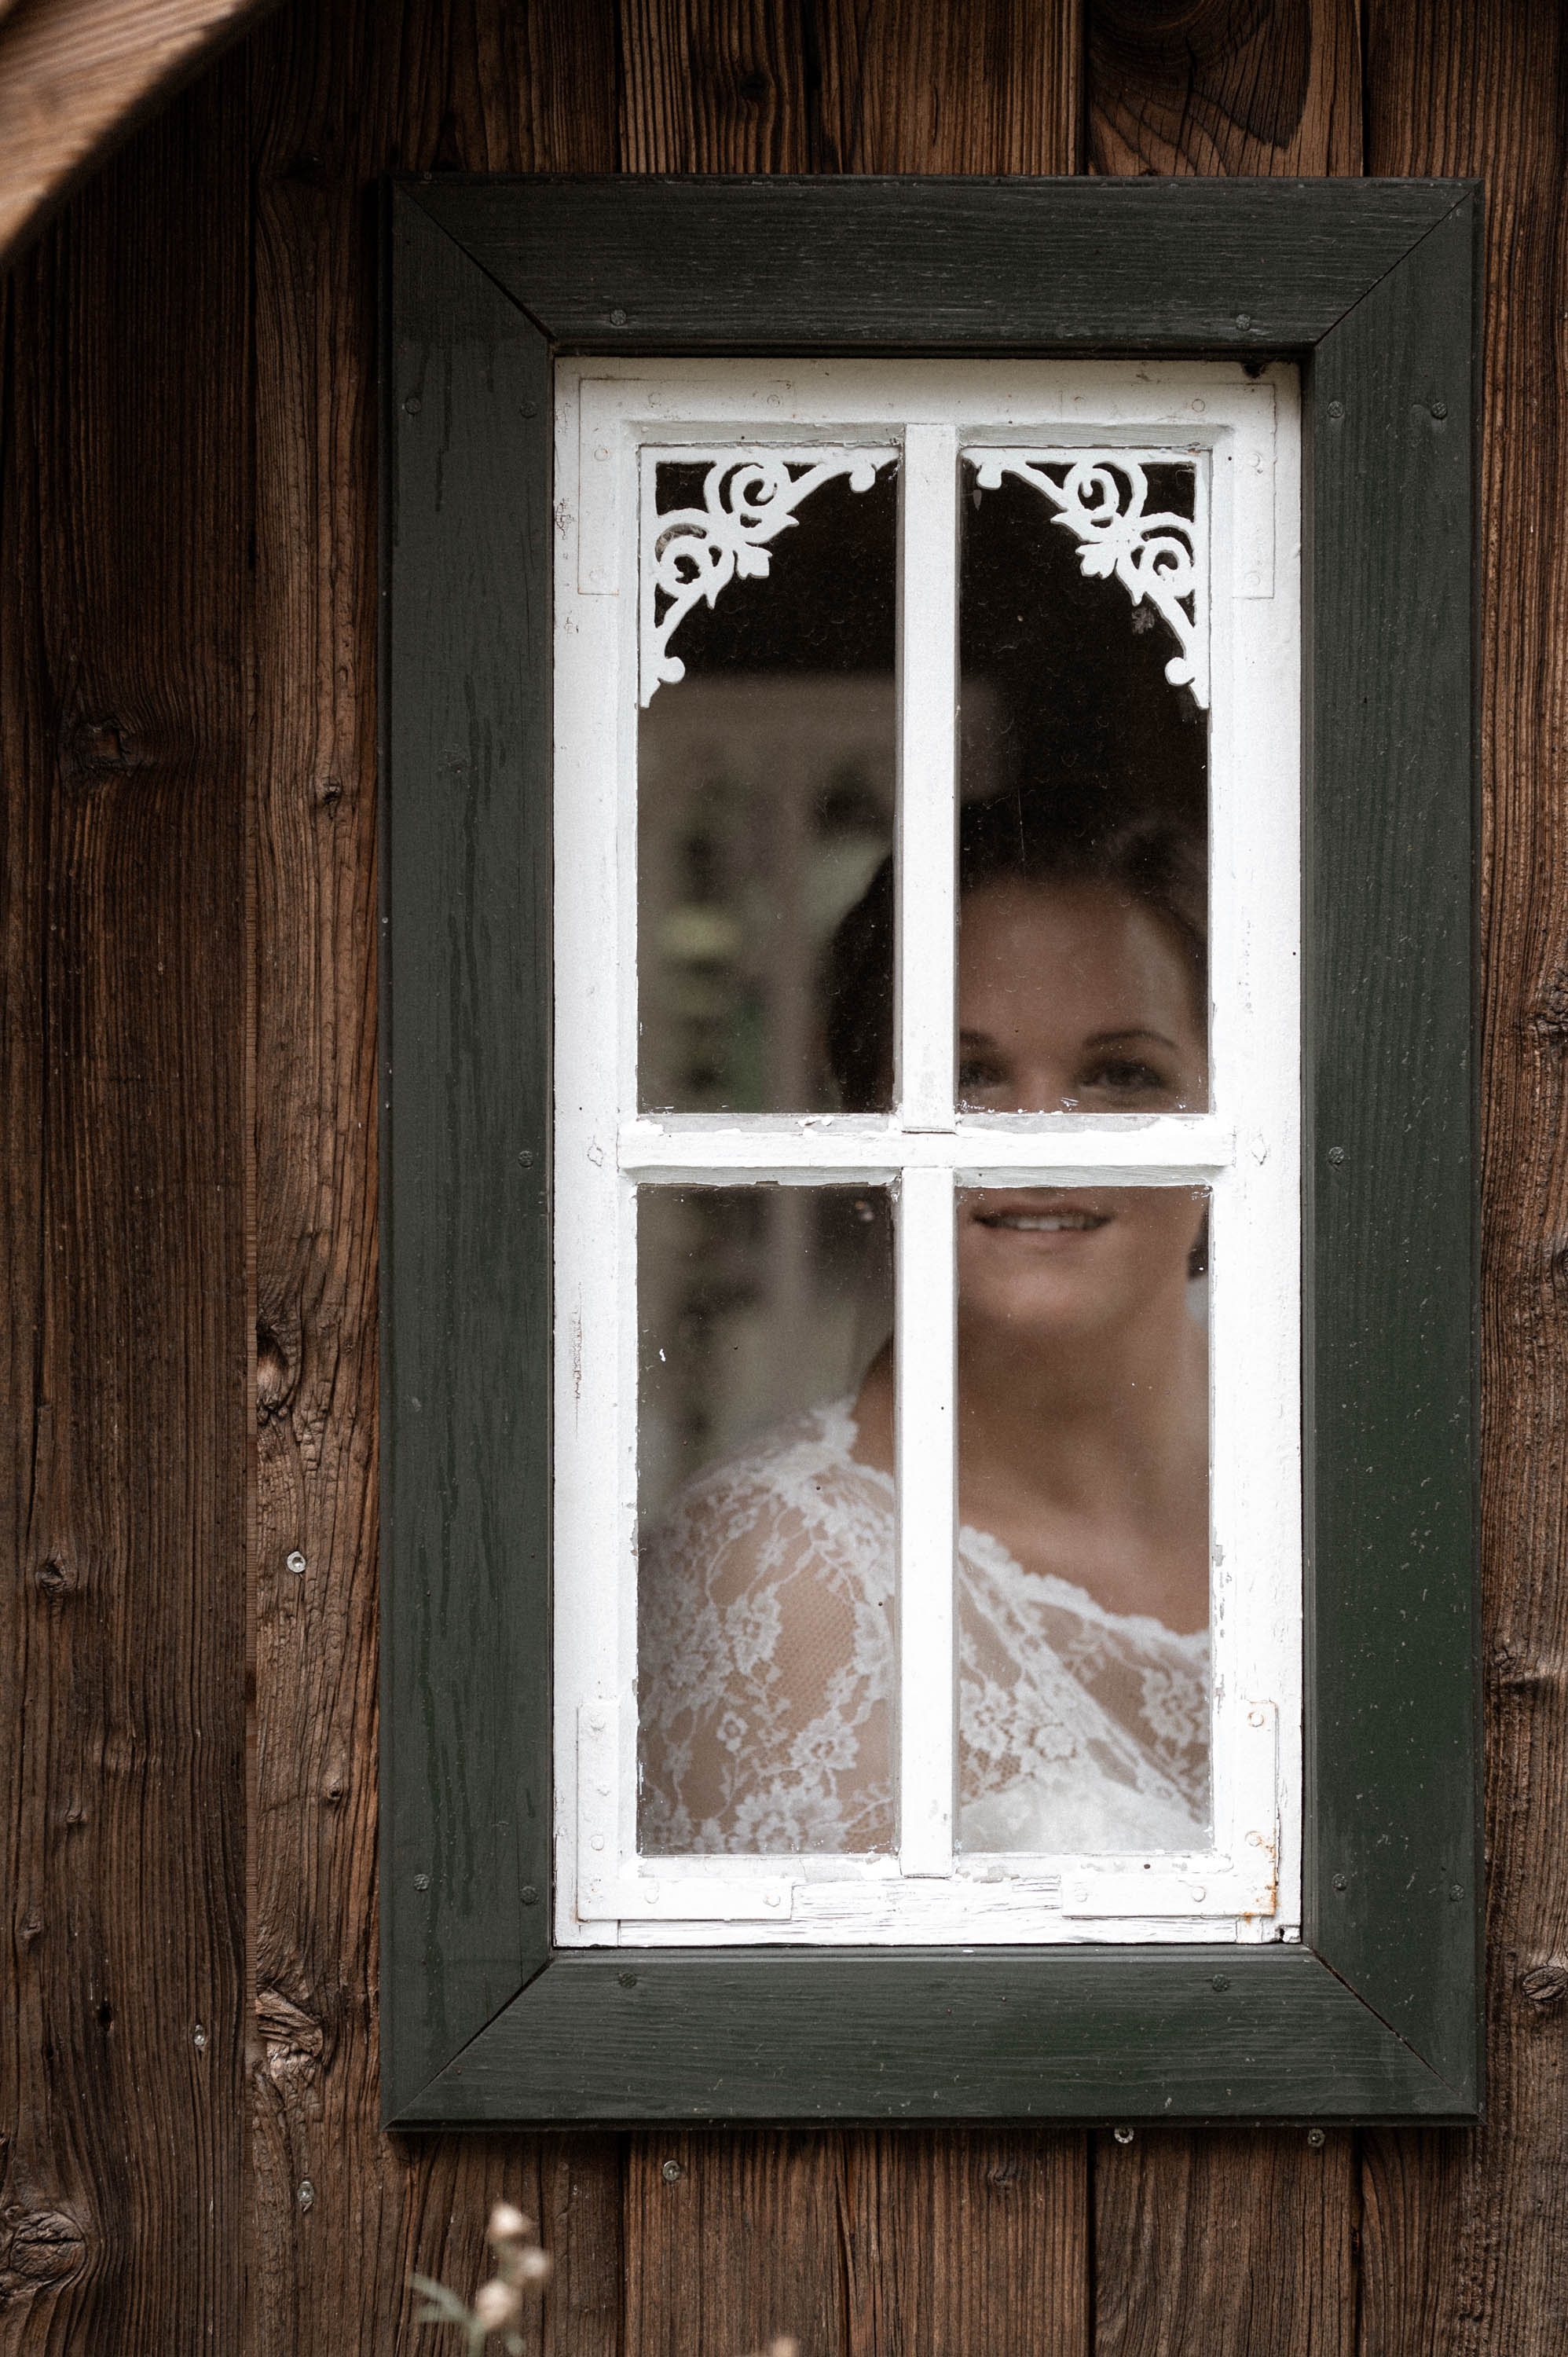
x=1047, y=1223
x=1040, y=1212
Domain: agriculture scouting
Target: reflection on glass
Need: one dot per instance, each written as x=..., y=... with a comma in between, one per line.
x=764, y=798
x=1083, y=1503
x=765, y=1585
x=1082, y=859
x=768, y=1673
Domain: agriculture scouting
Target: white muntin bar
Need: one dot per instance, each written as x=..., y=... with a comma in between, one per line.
x=928, y=1522
x=1164, y=1150
x=928, y=740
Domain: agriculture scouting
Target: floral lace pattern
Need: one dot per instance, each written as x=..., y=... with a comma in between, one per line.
x=766, y=1672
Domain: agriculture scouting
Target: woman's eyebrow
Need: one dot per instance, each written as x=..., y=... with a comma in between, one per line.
x=1104, y=1038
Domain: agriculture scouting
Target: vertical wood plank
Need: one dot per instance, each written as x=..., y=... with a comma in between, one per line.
x=969, y=2239
x=1465, y=2233
x=922, y=86
x=1418, y=2277
x=733, y=2239
x=1271, y=88
x=1210, y=2242
x=341, y=2213
x=713, y=86
x=841, y=86
x=922, y=2244
x=123, y=472
x=464, y=1056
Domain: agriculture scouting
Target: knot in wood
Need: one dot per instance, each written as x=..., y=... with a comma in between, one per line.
x=97, y=748
x=1545, y=1984
x=1556, y=1254
x=39, y=2247
x=272, y=1375
x=1547, y=1021
x=1511, y=1671
x=1205, y=60
x=292, y=2037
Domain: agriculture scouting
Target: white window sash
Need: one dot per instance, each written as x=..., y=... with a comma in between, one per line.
x=1246, y=1151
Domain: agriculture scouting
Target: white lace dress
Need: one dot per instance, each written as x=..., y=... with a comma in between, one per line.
x=766, y=1671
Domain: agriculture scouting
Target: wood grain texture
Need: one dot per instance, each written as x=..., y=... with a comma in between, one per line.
x=848, y=86
x=857, y=2244
x=1234, y=87
x=732, y=2240
x=75, y=75
x=993, y=86
x=339, y=96
x=934, y=2035
x=1225, y=2243
x=969, y=2241
x=714, y=86
x=1418, y=2285
x=1209, y=87
x=1465, y=2235
x=466, y=888
x=1388, y=1154
x=941, y=264
x=123, y=1256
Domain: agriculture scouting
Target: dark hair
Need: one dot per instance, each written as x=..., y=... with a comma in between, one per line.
x=1150, y=858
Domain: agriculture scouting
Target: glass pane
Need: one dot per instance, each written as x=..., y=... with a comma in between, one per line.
x=767, y=1510
x=1083, y=1506
x=1082, y=835
x=764, y=786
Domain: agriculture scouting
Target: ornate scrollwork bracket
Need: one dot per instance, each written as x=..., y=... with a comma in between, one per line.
x=1161, y=560
x=749, y=499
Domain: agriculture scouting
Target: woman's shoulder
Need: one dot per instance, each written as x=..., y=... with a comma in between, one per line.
x=803, y=1462
x=793, y=1496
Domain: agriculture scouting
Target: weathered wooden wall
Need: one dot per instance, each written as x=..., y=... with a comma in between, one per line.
x=187, y=2100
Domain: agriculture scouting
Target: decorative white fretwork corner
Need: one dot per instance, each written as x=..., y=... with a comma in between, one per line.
x=749, y=497
x=1102, y=496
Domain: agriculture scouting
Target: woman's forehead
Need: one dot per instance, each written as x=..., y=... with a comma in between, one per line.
x=1074, y=919
x=1092, y=941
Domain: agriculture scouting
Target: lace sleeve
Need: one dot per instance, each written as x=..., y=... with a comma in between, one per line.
x=765, y=1654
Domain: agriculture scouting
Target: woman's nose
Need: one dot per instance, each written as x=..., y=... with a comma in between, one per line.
x=1041, y=1088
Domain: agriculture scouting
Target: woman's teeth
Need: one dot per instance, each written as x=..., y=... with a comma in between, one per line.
x=1043, y=1223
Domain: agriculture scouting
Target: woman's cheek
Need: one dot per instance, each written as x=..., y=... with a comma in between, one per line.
x=1163, y=1225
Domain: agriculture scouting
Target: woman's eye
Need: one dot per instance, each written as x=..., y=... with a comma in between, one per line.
x=975, y=1077
x=1127, y=1076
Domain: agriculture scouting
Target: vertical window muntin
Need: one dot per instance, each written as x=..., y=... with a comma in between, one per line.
x=1244, y=1150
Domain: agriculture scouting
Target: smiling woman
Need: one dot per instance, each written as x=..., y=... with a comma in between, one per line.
x=769, y=1632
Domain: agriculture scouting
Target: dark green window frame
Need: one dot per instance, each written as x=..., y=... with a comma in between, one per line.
x=1373, y=288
